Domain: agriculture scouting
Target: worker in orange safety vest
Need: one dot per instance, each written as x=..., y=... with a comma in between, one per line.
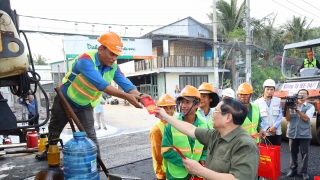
x=168, y=103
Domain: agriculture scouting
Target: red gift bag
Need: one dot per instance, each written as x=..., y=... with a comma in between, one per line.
x=269, y=166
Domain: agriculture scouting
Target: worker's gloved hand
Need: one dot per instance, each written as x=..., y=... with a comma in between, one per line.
x=133, y=99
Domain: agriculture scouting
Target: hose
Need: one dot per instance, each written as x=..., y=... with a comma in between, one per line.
x=25, y=81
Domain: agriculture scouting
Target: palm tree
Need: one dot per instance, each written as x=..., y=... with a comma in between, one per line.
x=266, y=36
x=297, y=30
x=230, y=19
x=229, y=16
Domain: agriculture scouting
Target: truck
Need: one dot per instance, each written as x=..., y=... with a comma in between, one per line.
x=307, y=78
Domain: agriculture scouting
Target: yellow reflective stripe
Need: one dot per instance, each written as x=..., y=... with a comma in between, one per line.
x=185, y=150
x=250, y=126
x=165, y=149
x=177, y=134
x=82, y=80
x=81, y=91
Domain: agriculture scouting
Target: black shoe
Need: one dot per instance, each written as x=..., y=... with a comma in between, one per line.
x=304, y=176
x=99, y=169
x=291, y=173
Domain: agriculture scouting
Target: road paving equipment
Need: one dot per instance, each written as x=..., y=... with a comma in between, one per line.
x=309, y=79
x=17, y=73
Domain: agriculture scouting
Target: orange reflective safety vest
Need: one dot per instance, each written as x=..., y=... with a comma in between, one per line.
x=181, y=142
x=161, y=126
x=251, y=126
x=81, y=91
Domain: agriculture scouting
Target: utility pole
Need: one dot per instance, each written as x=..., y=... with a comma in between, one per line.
x=248, y=43
x=214, y=46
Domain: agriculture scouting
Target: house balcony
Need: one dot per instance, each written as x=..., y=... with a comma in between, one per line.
x=172, y=61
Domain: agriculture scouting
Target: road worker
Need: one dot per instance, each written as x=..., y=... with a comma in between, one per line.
x=309, y=62
x=89, y=76
x=209, y=100
x=168, y=103
x=252, y=123
x=189, y=102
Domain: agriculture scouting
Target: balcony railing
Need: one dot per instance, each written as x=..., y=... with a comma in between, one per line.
x=172, y=61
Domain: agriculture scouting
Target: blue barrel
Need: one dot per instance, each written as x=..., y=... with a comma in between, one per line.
x=80, y=158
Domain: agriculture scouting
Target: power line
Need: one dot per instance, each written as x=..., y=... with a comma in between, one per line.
x=293, y=10
x=311, y=5
x=302, y=9
x=51, y=41
x=95, y=23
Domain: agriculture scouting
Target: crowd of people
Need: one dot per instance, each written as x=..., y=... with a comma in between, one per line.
x=219, y=136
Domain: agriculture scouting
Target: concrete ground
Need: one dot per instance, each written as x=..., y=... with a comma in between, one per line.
x=125, y=149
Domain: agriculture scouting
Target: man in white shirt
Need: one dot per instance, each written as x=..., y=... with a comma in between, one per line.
x=270, y=112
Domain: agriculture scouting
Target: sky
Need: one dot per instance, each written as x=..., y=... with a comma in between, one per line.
x=138, y=16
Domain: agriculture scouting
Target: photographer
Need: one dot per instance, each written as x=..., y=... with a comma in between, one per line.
x=299, y=133
x=29, y=102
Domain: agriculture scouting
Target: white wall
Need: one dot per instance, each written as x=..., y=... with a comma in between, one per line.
x=127, y=67
x=161, y=84
x=6, y=93
x=172, y=79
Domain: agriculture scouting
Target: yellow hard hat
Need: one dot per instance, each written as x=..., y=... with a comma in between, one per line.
x=190, y=93
x=245, y=88
x=206, y=88
x=166, y=100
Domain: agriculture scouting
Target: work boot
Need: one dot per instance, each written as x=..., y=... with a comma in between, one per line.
x=291, y=173
x=305, y=176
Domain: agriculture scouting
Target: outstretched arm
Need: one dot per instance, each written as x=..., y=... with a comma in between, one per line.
x=184, y=127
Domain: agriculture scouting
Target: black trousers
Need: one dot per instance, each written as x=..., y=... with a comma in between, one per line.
x=59, y=119
x=274, y=140
x=35, y=121
x=295, y=145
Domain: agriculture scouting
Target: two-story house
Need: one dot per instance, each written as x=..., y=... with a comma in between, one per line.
x=182, y=55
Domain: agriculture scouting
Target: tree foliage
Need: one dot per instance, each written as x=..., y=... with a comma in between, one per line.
x=267, y=39
x=38, y=59
x=229, y=16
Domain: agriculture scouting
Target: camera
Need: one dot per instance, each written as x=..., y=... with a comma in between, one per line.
x=291, y=101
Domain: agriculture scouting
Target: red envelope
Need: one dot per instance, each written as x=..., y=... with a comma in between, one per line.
x=149, y=104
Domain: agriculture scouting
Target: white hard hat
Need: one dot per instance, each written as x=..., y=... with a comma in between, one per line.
x=228, y=92
x=269, y=83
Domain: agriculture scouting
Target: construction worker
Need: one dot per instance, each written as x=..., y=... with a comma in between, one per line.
x=89, y=76
x=189, y=102
x=209, y=100
x=168, y=103
x=309, y=62
x=232, y=153
x=227, y=93
x=270, y=112
x=252, y=123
